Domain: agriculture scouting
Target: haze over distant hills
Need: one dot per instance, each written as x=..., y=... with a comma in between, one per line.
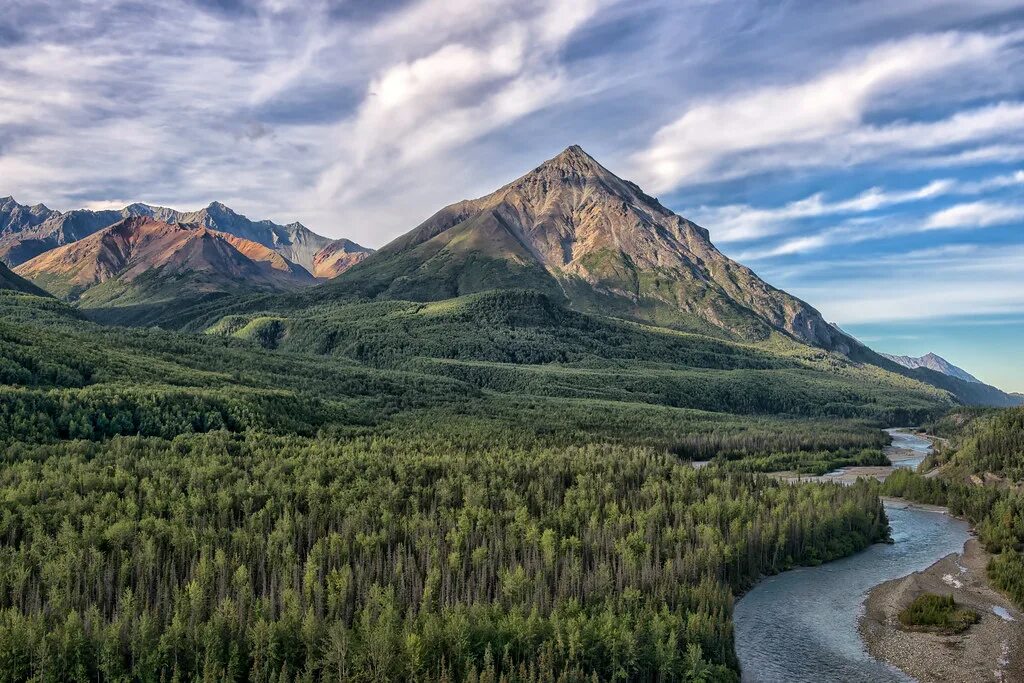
x=933, y=362
x=27, y=231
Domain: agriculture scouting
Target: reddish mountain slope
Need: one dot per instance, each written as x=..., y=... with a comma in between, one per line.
x=337, y=257
x=189, y=257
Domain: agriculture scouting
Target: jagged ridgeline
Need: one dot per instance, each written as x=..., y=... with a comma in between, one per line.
x=140, y=264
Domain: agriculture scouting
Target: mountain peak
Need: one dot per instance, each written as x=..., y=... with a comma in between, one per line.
x=933, y=361
x=221, y=207
x=575, y=152
x=140, y=207
x=573, y=229
x=574, y=159
x=9, y=202
x=189, y=255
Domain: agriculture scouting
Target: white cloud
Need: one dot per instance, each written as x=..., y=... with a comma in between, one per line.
x=998, y=153
x=994, y=183
x=416, y=110
x=981, y=214
x=965, y=216
x=786, y=125
x=976, y=283
x=362, y=121
x=740, y=222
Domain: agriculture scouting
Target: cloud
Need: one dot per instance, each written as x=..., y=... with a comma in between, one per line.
x=361, y=119
x=207, y=107
x=967, y=216
x=785, y=125
x=740, y=222
x=981, y=282
x=994, y=183
x=974, y=215
x=415, y=110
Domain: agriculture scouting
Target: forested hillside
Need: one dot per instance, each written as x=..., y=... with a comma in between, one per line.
x=980, y=475
x=178, y=506
x=519, y=341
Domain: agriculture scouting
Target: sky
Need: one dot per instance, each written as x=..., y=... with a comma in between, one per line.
x=865, y=156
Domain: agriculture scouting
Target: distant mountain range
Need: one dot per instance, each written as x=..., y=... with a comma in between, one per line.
x=933, y=362
x=28, y=231
x=939, y=372
x=140, y=258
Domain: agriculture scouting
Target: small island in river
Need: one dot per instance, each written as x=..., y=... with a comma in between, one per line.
x=991, y=650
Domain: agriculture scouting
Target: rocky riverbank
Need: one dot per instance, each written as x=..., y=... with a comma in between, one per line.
x=992, y=650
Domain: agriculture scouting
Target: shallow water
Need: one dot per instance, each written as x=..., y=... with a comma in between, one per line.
x=801, y=626
x=903, y=440
x=1002, y=613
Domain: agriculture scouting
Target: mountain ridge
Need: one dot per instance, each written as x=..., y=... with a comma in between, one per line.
x=195, y=257
x=935, y=362
x=337, y=257
x=573, y=229
x=27, y=232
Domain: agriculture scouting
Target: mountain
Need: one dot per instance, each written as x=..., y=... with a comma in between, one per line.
x=939, y=372
x=145, y=259
x=15, y=217
x=14, y=283
x=294, y=241
x=337, y=257
x=575, y=231
x=26, y=232
x=933, y=362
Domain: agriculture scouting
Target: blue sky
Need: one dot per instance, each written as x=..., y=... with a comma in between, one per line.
x=866, y=156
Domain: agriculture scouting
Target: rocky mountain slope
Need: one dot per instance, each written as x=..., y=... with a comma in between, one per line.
x=933, y=362
x=574, y=230
x=143, y=258
x=26, y=232
x=337, y=257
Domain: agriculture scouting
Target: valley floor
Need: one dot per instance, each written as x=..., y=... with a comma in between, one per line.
x=992, y=650
x=898, y=457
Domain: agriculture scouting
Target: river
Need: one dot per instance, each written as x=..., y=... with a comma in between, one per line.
x=801, y=625
x=912, y=449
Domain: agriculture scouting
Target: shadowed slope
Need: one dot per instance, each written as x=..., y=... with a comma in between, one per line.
x=12, y=282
